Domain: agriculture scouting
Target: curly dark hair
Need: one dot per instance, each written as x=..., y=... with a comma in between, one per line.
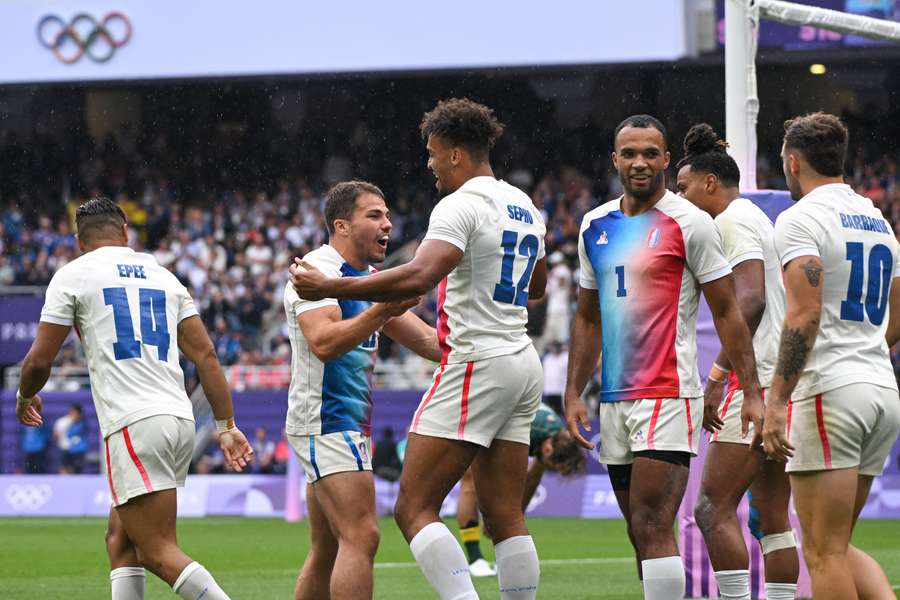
x=464, y=123
x=340, y=200
x=99, y=214
x=822, y=140
x=643, y=122
x=567, y=457
x=706, y=153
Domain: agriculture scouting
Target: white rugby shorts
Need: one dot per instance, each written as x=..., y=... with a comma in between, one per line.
x=329, y=453
x=852, y=426
x=482, y=401
x=147, y=456
x=730, y=413
x=629, y=426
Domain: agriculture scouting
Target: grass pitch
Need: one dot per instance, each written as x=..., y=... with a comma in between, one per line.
x=258, y=559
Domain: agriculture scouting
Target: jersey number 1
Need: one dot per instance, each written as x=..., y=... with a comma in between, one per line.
x=881, y=270
x=154, y=328
x=504, y=291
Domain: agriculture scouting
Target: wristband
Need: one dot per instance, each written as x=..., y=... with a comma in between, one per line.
x=711, y=378
x=721, y=368
x=22, y=400
x=223, y=425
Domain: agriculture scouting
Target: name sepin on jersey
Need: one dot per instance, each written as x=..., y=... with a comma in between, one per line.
x=864, y=223
x=518, y=213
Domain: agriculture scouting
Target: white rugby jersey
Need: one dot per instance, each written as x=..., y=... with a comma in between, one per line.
x=859, y=258
x=647, y=270
x=748, y=234
x=332, y=396
x=126, y=309
x=481, y=303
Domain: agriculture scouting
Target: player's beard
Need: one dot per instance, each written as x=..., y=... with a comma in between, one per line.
x=656, y=182
x=793, y=185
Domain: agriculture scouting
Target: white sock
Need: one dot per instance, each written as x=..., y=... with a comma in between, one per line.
x=518, y=569
x=443, y=562
x=663, y=578
x=781, y=591
x=195, y=583
x=734, y=584
x=127, y=583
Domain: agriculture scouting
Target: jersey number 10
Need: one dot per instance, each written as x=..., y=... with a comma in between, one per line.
x=504, y=291
x=154, y=328
x=881, y=264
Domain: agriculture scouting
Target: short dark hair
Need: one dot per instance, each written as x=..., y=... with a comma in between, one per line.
x=567, y=456
x=464, y=123
x=340, y=200
x=822, y=140
x=706, y=153
x=643, y=122
x=96, y=215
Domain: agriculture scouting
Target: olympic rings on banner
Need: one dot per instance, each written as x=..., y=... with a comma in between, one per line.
x=99, y=44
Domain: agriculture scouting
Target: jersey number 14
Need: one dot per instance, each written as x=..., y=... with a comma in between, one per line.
x=154, y=327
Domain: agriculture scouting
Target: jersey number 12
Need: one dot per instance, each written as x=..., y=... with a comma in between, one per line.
x=505, y=291
x=154, y=328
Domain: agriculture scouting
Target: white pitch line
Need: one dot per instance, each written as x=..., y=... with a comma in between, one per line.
x=555, y=561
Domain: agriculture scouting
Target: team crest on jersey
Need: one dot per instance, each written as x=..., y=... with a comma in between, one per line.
x=602, y=239
x=653, y=238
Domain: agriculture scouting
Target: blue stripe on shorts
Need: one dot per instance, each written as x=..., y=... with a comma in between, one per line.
x=359, y=464
x=312, y=455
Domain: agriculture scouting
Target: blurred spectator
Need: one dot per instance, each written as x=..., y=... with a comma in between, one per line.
x=559, y=299
x=282, y=455
x=263, y=450
x=385, y=461
x=35, y=441
x=555, y=363
x=71, y=439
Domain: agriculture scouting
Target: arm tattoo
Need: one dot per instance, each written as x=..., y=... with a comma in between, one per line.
x=813, y=272
x=792, y=353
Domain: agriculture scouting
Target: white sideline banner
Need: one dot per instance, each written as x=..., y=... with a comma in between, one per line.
x=100, y=40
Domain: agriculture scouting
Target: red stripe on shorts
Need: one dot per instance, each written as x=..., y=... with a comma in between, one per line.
x=653, y=418
x=437, y=381
x=137, y=462
x=728, y=398
x=790, y=414
x=464, y=409
x=823, y=435
x=687, y=407
x=109, y=474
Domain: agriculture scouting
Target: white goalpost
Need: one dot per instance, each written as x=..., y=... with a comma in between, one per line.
x=741, y=30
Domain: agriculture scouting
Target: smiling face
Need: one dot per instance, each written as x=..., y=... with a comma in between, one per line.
x=641, y=159
x=368, y=229
x=443, y=161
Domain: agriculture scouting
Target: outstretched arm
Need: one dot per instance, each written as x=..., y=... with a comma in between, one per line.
x=433, y=261
x=414, y=333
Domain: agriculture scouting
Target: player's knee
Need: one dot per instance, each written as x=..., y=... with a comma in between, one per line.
x=364, y=537
x=649, y=524
x=704, y=513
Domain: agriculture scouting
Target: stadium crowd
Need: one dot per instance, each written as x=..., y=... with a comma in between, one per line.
x=231, y=243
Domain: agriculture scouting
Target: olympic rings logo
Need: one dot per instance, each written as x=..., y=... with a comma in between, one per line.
x=85, y=34
x=27, y=496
